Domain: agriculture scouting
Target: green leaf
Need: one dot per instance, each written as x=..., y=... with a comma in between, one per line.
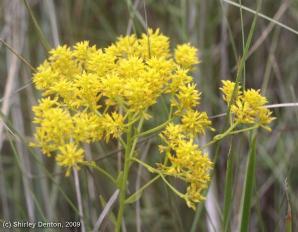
x=248, y=186
x=133, y=198
x=228, y=190
x=119, y=179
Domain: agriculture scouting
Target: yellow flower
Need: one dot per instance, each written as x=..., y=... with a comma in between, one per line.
x=88, y=90
x=112, y=89
x=186, y=56
x=249, y=106
x=139, y=95
x=264, y=117
x=188, y=163
x=88, y=87
x=100, y=63
x=125, y=46
x=179, y=78
x=44, y=104
x=188, y=97
x=65, y=90
x=171, y=135
x=195, y=122
x=70, y=156
x=61, y=60
x=83, y=52
x=55, y=127
x=45, y=77
x=154, y=44
x=162, y=67
x=254, y=98
x=242, y=112
x=87, y=127
x=131, y=68
x=112, y=125
x=227, y=90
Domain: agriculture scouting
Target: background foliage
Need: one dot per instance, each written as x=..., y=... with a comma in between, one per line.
x=32, y=187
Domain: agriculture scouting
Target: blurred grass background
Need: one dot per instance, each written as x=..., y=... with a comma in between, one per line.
x=33, y=188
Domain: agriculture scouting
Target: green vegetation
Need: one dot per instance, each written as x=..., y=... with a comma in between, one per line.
x=254, y=186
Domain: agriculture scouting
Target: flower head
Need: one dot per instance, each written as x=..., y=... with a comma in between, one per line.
x=228, y=90
x=186, y=56
x=70, y=156
x=187, y=97
x=249, y=105
x=188, y=163
x=154, y=44
x=113, y=125
x=195, y=122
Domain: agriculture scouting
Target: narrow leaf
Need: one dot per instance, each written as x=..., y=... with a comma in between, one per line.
x=228, y=190
x=248, y=186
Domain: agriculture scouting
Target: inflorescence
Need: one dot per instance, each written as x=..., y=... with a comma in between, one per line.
x=91, y=94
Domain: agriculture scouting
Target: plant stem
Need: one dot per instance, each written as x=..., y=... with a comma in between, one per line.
x=222, y=135
x=179, y=194
x=147, y=166
x=129, y=150
x=79, y=198
x=40, y=33
x=155, y=129
x=248, y=185
x=134, y=195
x=245, y=129
x=101, y=170
x=228, y=192
x=124, y=180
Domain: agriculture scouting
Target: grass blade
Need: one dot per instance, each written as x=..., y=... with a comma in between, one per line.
x=41, y=35
x=248, y=186
x=228, y=190
x=262, y=16
x=289, y=213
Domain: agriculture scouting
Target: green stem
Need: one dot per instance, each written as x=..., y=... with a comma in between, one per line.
x=221, y=136
x=137, y=193
x=248, y=186
x=129, y=151
x=122, y=142
x=124, y=180
x=172, y=187
x=289, y=214
x=228, y=192
x=155, y=129
x=102, y=171
x=134, y=119
x=245, y=129
x=148, y=167
x=17, y=55
x=151, y=169
x=41, y=35
x=106, y=109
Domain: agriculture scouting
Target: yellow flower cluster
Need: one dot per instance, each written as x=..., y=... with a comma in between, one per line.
x=187, y=161
x=84, y=89
x=186, y=56
x=70, y=156
x=248, y=106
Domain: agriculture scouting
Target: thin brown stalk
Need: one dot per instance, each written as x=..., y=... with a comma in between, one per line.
x=79, y=199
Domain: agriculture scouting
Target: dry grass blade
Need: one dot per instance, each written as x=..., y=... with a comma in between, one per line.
x=269, y=28
x=262, y=16
x=106, y=210
x=79, y=198
x=262, y=55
